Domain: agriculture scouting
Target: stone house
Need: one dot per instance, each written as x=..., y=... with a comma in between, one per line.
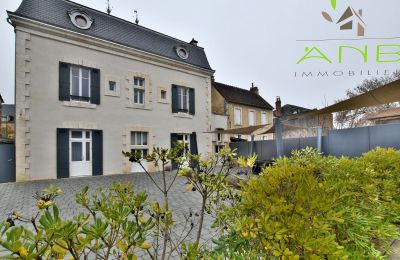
x=241, y=107
x=90, y=85
x=390, y=116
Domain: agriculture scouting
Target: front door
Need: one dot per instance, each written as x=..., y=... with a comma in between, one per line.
x=80, y=153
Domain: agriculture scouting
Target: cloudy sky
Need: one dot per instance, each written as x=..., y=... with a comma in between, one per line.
x=261, y=41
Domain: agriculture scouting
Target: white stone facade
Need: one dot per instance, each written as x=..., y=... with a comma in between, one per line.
x=39, y=112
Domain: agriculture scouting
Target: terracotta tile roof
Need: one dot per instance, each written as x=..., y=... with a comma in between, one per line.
x=241, y=96
x=388, y=114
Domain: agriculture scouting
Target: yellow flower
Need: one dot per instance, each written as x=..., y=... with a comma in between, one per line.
x=145, y=245
x=22, y=251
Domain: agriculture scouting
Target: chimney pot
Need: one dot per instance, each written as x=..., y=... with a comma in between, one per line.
x=254, y=89
x=278, y=107
x=193, y=42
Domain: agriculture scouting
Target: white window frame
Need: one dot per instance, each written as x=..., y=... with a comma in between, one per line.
x=141, y=146
x=236, y=109
x=82, y=140
x=139, y=88
x=183, y=93
x=80, y=82
x=262, y=118
x=252, y=118
x=186, y=141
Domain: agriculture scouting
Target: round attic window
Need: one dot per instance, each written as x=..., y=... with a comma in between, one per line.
x=182, y=53
x=80, y=20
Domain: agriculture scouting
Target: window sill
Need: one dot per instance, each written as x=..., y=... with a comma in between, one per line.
x=79, y=104
x=137, y=106
x=163, y=101
x=183, y=115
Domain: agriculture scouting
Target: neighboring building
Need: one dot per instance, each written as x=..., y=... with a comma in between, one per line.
x=306, y=124
x=241, y=107
x=391, y=116
x=90, y=85
x=7, y=123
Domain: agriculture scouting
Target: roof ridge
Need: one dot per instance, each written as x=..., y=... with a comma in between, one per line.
x=234, y=87
x=131, y=23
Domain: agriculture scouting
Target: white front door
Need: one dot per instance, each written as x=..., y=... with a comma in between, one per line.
x=80, y=147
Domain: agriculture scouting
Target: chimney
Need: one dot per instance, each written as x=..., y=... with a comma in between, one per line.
x=360, y=12
x=254, y=89
x=278, y=107
x=193, y=42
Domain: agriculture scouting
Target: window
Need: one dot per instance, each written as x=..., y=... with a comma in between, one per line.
x=80, y=83
x=183, y=99
x=238, y=116
x=264, y=119
x=252, y=117
x=220, y=137
x=138, y=91
x=218, y=148
x=163, y=94
x=112, y=85
x=182, y=53
x=140, y=142
x=185, y=140
x=138, y=96
x=138, y=82
x=80, y=19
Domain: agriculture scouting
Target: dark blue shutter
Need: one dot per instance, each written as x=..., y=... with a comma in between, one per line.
x=192, y=103
x=62, y=153
x=95, y=87
x=174, y=139
x=64, y=82
x=174, y=99
x=194, y=149
x=97, y=152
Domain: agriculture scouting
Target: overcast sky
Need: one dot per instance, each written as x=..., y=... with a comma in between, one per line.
x=258, y=41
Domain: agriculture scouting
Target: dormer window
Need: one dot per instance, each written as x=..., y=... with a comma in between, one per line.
x=80, y=19
x=182, y=53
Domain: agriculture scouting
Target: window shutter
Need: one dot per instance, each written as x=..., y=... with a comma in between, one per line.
x=95, y=87
x=174, y=99
x=97, y=152
x=62, y=153
x=174, y=139
x=64, y=82
x=194, y=149
x=192, y=103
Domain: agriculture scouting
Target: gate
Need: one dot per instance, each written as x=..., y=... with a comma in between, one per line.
x=7, y=162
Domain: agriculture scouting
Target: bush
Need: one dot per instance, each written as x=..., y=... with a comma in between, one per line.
x=310, y=206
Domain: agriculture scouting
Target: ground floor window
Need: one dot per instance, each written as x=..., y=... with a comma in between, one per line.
x=218, y=148
x=185, y=140
x=140, y=142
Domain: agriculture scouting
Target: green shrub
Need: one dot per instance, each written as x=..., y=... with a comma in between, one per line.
x=311, y=206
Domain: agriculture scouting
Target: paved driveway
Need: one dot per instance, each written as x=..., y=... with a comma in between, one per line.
x=18, y=196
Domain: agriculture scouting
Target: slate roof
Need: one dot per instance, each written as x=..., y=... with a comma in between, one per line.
x=111, y=28
x=8, y=110
x=289, y=110
x=241, y=96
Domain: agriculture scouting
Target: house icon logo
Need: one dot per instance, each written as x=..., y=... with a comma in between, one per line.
x=351, y=19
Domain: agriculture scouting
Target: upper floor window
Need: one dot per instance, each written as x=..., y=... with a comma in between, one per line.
x=79, y=83
x=138, y=90
x=252, y=117
x=264, y=119
x=183, y=100
x=238, y=116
